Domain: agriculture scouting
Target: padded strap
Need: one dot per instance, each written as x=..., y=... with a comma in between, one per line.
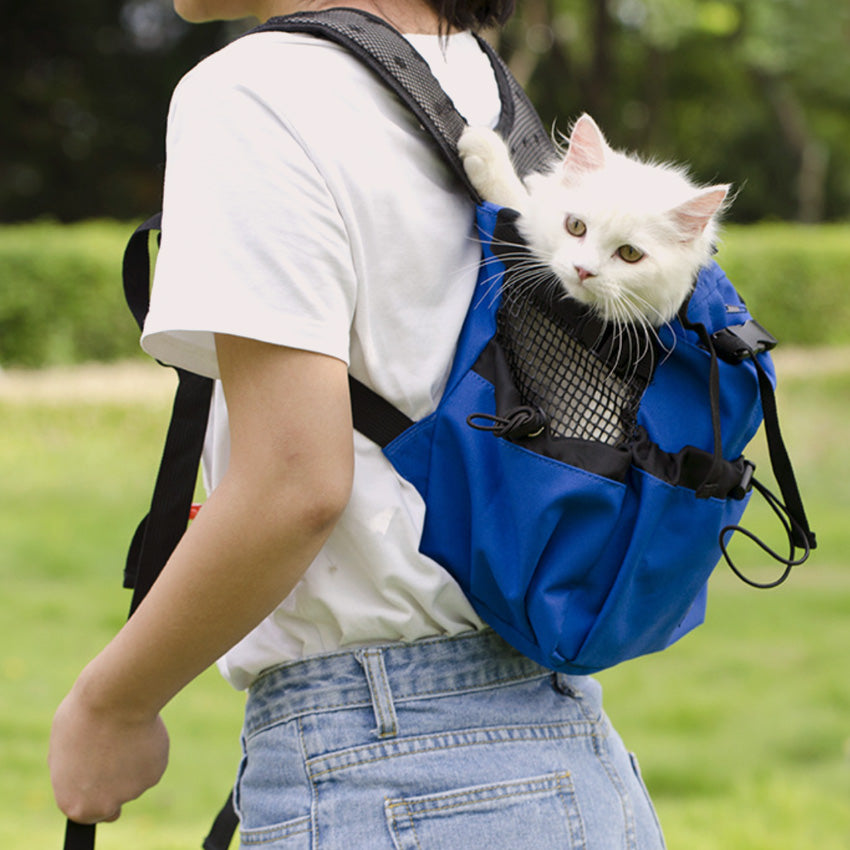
x=400, y=67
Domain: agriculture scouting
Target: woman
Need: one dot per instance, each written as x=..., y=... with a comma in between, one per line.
x=311, y=230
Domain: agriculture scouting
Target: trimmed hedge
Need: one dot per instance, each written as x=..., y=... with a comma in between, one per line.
x=61, y=299
x=795, y=278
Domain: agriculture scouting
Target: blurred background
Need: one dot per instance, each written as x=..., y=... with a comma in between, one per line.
x=743, y=728
x=752, y=92
x=755, y=92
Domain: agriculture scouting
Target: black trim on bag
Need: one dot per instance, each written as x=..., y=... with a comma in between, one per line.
x=691, y=467
x=611, y=462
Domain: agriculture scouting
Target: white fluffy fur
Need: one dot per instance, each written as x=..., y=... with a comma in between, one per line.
x=621, y=201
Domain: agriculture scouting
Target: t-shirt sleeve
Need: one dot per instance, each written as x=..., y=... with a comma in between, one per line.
x=253, y=244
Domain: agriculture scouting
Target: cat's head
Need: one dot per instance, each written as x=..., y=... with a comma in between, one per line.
x=624, y=236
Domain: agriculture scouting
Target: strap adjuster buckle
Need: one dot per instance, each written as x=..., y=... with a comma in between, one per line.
x=738, y=342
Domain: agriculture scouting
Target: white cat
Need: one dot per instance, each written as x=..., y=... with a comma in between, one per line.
x=624, y=236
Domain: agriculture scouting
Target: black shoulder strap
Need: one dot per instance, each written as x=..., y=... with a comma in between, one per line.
x=163, y=526
x=397, y=63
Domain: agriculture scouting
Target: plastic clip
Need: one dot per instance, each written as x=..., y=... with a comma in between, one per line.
x=738, y=342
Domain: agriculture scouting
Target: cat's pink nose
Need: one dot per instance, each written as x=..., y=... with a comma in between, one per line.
x=583, y=273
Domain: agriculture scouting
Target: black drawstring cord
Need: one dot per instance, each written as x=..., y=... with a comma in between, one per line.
x=791, y=514
x=518, y=423
x=789, y=524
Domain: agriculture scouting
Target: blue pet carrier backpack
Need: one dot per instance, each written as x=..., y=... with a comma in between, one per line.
x=579, y=485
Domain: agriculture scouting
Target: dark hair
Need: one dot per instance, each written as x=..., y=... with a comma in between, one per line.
x=473, y=14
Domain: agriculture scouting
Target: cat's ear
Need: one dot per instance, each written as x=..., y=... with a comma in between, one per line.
x=587, y=149
x=693, y=216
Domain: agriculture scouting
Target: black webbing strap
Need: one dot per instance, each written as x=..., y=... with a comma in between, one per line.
x=374, y=416
x=223, y=827
x=789, y=510
x=79, y=836
x=166, y=521
x=803, y=537
x=734, y=345
x=164, y=525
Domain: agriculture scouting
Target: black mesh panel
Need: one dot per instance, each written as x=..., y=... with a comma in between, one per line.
x=586, y=376
x=582, y=394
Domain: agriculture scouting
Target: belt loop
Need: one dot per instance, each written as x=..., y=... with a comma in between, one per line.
x=372, y=661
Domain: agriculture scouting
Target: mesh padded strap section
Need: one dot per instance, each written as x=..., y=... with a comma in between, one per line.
x=530, y=145
x=389, y=55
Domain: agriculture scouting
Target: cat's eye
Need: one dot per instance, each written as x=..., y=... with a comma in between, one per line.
x=629, y=253
x=575, y=226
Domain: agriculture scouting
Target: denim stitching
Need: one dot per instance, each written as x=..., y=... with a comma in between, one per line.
x=560, y=782
x=372, y=661
x=314, y=792
x=388, y=697
x=548, y=733
x=600, y=739
x=412, y=827
x=321, y=708
x=267, y=834
x=536, y=787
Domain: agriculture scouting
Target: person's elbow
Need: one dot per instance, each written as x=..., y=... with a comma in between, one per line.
x=320, y=502
x=301, y=495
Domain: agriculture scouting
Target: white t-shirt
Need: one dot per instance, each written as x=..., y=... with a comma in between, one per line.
x=305, y=206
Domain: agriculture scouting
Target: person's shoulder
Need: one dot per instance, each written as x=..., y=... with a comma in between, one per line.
x=274, y=63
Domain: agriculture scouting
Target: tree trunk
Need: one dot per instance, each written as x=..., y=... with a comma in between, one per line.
x=812, y=155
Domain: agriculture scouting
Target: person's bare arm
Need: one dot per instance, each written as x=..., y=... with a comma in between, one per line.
x=288, y=481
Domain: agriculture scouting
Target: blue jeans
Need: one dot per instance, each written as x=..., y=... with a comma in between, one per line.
x=442, y=744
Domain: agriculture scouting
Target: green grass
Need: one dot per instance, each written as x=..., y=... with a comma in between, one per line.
x=742, y=729
x=75, y=483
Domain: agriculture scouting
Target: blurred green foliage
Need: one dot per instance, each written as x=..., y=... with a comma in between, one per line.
x=61, y=299
x=752, y=92
x=794, y=277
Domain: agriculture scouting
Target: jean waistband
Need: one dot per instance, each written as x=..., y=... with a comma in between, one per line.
x=384, y=674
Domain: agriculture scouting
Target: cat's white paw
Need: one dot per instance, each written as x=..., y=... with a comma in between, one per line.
x=482, y=152
x=487, y=163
